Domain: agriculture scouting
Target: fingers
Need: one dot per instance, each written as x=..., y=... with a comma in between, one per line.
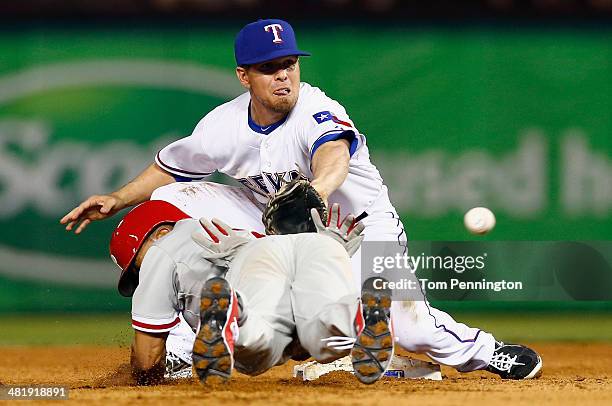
x=82, y=226
x=316, y=218
x=72, y=215
x=221, y=226
x=210, y=229
x=336, y=209
x=346, y=225
x=334, y=215
x=201, y=240
x=73, y=219
x=66, y=218
x=357, y=230
x=86, y=212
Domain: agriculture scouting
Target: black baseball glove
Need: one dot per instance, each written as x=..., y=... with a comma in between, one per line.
x=288, y=211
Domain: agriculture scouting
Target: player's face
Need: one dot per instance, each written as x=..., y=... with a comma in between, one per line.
x=274, y=84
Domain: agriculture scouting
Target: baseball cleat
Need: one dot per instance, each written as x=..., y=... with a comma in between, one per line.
x=213, y=350
x=513, y=361
x=373, y=349
x=177, y=368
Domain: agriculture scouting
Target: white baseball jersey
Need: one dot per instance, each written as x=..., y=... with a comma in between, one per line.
x=170, y=281
x=228, y=141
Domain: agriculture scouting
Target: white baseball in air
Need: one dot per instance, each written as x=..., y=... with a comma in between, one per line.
x=479, y=220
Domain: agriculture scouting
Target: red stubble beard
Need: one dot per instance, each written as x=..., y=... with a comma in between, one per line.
x=280, y=104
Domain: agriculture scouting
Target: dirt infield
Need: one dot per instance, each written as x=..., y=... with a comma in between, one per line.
x=574, y=373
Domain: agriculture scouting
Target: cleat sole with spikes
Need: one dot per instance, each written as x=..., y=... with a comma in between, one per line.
x=212, y=355
x=373, y=349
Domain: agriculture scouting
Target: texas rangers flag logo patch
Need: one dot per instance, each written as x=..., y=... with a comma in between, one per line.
x=324, y=116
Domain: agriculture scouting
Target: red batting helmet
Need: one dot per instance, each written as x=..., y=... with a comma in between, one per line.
x=132, y=231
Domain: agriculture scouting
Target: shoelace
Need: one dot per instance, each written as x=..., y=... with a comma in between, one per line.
x=503, y=361
x=173, y=362
x=339, y=343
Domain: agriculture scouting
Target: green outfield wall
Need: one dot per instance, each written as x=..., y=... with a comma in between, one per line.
x=516, y=120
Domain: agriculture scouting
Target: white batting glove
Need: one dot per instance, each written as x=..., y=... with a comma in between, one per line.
x=340, y=231
x=221, y=244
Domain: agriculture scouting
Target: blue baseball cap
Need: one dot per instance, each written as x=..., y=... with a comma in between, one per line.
x=265, y=40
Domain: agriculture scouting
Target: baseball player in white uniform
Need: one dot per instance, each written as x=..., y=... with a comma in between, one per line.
x=283, y=128
x=280, y=306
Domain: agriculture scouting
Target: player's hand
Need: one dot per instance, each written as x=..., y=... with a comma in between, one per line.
x=346, y=232
x=96, y=207
x=221, y=244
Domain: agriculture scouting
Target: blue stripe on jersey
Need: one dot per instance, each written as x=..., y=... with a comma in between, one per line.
x=179, y=178
x=348, y=135
x=264, y=129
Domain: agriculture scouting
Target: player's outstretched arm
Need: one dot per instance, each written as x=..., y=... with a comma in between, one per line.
x=148, y=356
x=98, y=207
x=330, y=167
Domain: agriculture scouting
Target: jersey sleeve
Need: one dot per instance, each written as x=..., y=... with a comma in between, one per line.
x=185, y=159
x=330, y=122
x=155, y=302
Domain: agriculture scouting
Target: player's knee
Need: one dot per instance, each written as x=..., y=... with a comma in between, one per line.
x=143, y=364
x=147, y=372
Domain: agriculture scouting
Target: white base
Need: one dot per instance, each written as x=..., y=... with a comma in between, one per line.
x=400, y=367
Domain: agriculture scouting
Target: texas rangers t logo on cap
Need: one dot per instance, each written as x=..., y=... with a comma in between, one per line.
x=265, y=40
x=276, y=29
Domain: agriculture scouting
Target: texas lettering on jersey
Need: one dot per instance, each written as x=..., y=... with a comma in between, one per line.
x=258, y=185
